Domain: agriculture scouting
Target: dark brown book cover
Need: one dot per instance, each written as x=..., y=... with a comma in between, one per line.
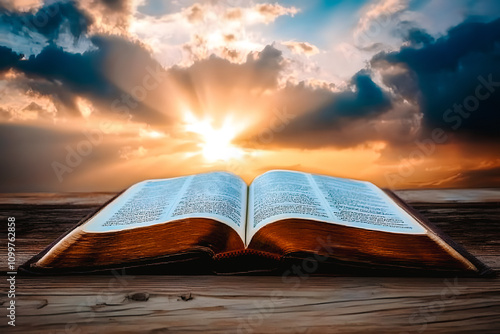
x=483, y=269
x=253, y=261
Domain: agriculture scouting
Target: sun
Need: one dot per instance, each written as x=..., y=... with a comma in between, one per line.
x=216, y=143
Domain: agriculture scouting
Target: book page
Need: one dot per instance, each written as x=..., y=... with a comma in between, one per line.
x=218, y=195
x=143, y=204
x=361, y=204
x=278, y=195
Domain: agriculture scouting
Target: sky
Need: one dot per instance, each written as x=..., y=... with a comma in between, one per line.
x=96, y=95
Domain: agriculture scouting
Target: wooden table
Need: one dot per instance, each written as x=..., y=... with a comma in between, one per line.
x=209, y=304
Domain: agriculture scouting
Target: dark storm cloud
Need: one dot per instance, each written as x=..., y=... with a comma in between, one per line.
x=417, y=36
x=94, y=74
x=49, y=20
x=60, y=73
x=80, y=73
x=365, y=100
x=444, y=75
x=8, y=58
x=64, y=75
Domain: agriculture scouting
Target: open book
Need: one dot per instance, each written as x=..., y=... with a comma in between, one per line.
x=214, y=221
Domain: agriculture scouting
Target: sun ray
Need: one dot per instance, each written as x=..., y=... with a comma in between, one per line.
x=216, y=143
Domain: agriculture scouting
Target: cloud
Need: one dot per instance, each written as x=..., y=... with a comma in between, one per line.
x=110, y=16
x=21, y=4
x=97, y=74
x=443, y=77
x=49, y=20
x=195, y=14
x=261, y=69
x=270, y=12
x=96, y=71
x=4, y=115
x=217, y=86
x=80, y=73
x=38, y=109
x=417, y=37
x=301, y=47
x=260, y=13
x=366, y=98
x=194, y=32
x=322, y=117
x=8, y=58
x=378, y=15
x=115, y=5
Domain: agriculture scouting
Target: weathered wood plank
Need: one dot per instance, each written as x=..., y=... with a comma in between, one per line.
x=207, y=304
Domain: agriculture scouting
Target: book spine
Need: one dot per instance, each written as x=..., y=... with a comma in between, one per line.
x=244, y=252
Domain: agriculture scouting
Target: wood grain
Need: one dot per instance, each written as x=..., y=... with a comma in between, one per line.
x=215, y=304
